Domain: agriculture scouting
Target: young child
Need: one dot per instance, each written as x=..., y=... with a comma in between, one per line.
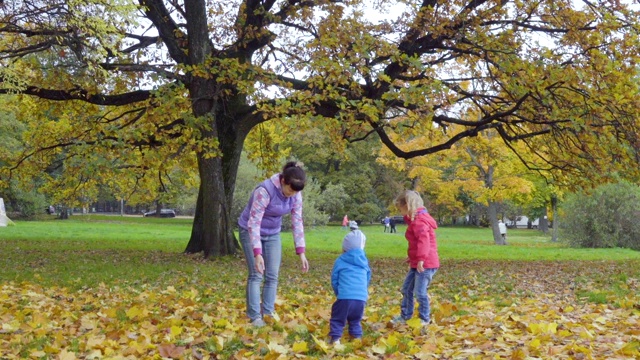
x=350, y=279
x=422, y=256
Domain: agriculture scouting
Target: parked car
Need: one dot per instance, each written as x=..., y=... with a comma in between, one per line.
x=523, y=222
x=165, y=213
x=398, y=219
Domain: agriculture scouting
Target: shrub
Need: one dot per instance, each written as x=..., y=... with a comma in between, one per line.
x=368, y=213
x=24, y=203
x=312, y=215
x=249, y=176
x=605, y=218
x=333, y=200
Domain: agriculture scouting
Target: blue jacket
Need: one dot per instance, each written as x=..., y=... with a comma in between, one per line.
x=351, y=275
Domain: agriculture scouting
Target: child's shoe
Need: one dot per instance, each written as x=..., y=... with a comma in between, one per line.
x=258, y=323
x=398, y=320
x=334, y=341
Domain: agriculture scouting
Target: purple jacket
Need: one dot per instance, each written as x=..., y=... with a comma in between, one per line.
x=263, y=214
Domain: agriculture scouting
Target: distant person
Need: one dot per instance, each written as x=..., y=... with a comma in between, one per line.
x=392, y=226
x=350, y=279
x=345, y=222
x=387, y=224
x=4, y=220
x=422, y=256
x=260, y=225
x=503, y=231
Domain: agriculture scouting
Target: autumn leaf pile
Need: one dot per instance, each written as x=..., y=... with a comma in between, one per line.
x=481, y=310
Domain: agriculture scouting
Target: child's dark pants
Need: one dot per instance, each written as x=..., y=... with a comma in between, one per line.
x=344, y=311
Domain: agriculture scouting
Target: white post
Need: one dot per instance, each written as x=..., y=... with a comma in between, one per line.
x=4, y=220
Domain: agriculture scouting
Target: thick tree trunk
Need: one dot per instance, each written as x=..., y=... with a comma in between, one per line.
x=212, y=231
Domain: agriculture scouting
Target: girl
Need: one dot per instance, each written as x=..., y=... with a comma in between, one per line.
x=422, y=256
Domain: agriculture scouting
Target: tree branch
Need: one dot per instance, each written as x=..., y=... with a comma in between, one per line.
x=172, y=36
x=83, y=95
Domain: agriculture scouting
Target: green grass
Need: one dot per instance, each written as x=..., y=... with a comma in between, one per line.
x=88, y=250
x=465, y=243
x=103, y=232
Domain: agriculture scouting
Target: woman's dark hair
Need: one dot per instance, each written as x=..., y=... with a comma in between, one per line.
x=293, y=175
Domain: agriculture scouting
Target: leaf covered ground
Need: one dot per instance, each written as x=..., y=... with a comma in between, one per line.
x=481, y=310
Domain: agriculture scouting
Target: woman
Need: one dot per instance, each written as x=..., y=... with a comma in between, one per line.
x=260, y=224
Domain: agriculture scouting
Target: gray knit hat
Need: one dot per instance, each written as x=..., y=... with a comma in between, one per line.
x=353, y=240
x=353, y=225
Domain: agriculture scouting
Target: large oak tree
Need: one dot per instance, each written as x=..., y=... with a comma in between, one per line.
x=150, y=85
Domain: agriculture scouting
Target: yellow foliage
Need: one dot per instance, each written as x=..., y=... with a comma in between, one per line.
x=134, y=312
x=542, y=328
x=630, y=349
x=300, y=347
x=470, y=325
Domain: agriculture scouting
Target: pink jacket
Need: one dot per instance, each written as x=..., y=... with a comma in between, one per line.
x=421, y=236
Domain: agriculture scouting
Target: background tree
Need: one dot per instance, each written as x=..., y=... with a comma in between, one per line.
x=545, y=203
x=333, y=200
x=485, y=170
x=250, y=175
x=367, y=187
x=185, y=81
x=21, y=198
x=604, y=218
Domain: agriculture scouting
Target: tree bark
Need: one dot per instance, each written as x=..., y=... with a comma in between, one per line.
x=492, y=211
x=212, y=231
x=158, y=209
x=492, y=208
x=554, y=227
x=544, y=222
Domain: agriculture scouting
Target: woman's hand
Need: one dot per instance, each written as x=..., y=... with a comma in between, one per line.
x=259, y=263
x=305, y=263
x=420, y=266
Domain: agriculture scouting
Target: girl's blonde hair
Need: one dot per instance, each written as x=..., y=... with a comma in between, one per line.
x=411, y=199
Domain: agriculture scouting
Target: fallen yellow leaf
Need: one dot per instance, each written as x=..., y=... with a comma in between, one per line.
x=133, y=312
x=66, y=355
x=535, y=343
x=321, y=344
x=176, y=330
x=630, y=349
x=300, y=347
